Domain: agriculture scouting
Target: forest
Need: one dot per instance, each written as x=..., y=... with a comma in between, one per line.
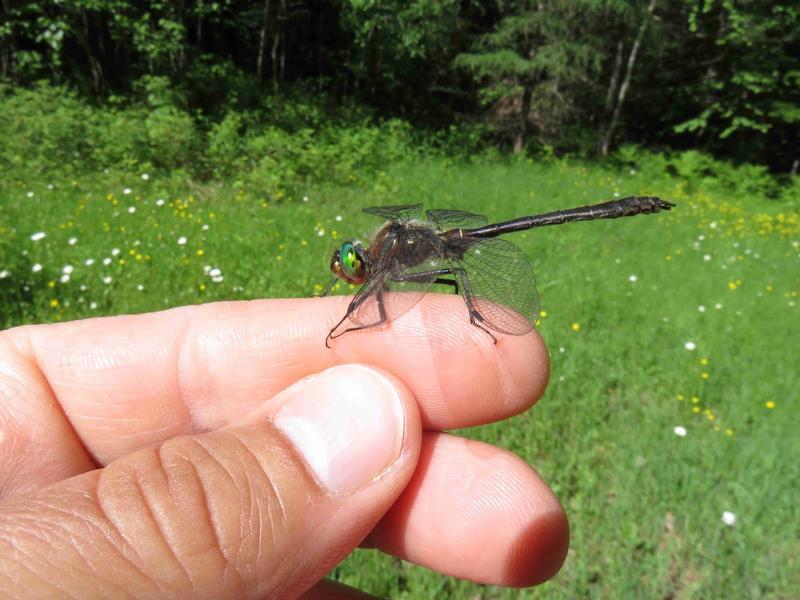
x=581, y=77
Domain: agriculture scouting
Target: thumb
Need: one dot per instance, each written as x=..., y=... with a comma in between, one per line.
x=262, y=509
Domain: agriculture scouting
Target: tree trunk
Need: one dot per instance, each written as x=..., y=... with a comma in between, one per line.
x=623, y=89
x=521, y=133
x=274, y=55
x=94, y=64
x=7, y=52
x=262, y=40
x=612, y=85
x=285, y=19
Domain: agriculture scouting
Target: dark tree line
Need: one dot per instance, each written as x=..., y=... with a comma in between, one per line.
x=580, y=75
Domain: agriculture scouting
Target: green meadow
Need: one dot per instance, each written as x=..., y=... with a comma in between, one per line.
x=673, y=397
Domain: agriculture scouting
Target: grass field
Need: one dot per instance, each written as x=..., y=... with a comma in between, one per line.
x=675, y=346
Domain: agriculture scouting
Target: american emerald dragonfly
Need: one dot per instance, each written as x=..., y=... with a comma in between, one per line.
x=459, y=249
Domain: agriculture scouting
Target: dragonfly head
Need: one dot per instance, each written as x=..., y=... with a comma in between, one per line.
x=349, y=263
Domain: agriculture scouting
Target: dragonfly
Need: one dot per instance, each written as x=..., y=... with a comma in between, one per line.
x=458, y=249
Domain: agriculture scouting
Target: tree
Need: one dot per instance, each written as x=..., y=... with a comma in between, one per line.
x=623, y=88
x=747, y=101
x=401, y=51
x=540, y=66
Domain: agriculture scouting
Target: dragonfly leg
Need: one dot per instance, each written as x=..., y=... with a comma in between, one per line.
x=475, y=317
x=464, y=289
x=350, y=309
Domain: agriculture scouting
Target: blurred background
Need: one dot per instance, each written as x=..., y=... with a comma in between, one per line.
x=165, y=153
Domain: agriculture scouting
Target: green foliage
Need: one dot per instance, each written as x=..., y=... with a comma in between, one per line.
x=700, y=171
x=746, y=98
x=279, y=149
x=171, y=137
x=44, y=126
x=226, y=146
x=283, y=163
x=282, y=149
x=49, y=127
x=399, y=42
x=718, y=76
x=536, y=69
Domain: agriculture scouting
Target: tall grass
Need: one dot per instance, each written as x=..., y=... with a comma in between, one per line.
x=683, y=320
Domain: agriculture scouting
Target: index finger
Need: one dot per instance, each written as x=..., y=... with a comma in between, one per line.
x=131, y=381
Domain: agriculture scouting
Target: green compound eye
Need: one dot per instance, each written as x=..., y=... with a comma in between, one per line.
x=351, y=265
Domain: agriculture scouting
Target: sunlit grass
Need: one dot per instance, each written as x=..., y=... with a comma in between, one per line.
x=669, y=429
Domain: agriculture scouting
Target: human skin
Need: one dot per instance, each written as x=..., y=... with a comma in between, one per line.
x=178, y=453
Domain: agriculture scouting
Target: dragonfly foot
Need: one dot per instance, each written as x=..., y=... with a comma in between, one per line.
x=474, y=317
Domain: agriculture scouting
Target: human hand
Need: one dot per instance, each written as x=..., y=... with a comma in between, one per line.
x=222, y=451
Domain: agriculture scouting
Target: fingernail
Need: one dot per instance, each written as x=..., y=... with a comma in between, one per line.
x=347, y=422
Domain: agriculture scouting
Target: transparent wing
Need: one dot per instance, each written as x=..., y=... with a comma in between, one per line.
x=365, y=310
x=399, y=213
x=455, y=219
x=418, y=262
x=500, y=284
x=402, y=276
